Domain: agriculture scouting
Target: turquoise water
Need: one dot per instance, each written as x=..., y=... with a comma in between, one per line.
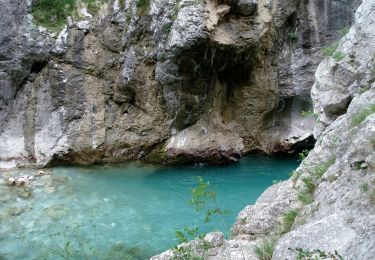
x=131, y=208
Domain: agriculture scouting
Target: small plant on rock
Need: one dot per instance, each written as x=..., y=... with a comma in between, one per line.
x=121, y=3
x=265, y=250
x=302, y=155
x=185, y=252
x=309, y=183
x=167, y=28
x=338, y=55
x=364, y=187
x=287, y=220
x=362, y=115
x=320, y=169
x=143, y=6
x=293, y=37
x=344, y=31
x=309, y=113
x=330, y=49
x=305, y=197
x=187, y=234
x=315, y=254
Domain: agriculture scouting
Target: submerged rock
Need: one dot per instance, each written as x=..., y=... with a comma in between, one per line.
x=14, y=211
x=11, y=181
x=40, y=173
x=22, y=181
x=56, y=212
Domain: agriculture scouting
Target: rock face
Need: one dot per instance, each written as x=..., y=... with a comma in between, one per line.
x=173, y=82
x=332, y=193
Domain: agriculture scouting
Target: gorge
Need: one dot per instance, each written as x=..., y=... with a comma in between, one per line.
x=196, y=82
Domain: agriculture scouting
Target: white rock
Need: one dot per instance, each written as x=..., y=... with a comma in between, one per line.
x=11, y=181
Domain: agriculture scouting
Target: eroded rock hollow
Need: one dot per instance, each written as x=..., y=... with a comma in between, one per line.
x=174, y=82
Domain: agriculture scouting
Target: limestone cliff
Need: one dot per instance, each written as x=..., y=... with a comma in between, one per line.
x=171, y=82
x=329, y=202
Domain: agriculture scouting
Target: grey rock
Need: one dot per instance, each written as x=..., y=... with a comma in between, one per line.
x=188, y=28
x=122, y=85
x=341, y=165
x=83, y=25
x=337, y=81
x=61, y=42
x=215, y=239
x=262, y=218
x=129, y=65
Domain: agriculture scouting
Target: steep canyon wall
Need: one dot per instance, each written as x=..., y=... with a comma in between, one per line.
x=171, y=82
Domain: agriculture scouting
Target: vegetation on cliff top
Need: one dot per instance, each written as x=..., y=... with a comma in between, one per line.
x=52, y=14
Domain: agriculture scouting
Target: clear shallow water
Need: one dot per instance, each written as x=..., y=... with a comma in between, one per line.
x=133, y=208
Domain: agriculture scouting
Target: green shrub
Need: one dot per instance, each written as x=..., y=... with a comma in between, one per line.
x=330, y=49
x=52, y=14
x=319, y=170
x=128, y=17
x=302, y=155
x=167, y=28
x=364, y=187
x=293, y=37
x=344, y=31
x=265, y=250
x=338, y=55
x=305, y=197
x=315, y=254
x=362, y=115
x=93, y=6
x=185, y=252
x=143, y=6
x=288, y=220
x=122, y=3
x=204, y=200
x=309, y=183
x=309, y=113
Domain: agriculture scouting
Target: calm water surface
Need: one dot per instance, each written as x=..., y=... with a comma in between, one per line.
x=133, y=208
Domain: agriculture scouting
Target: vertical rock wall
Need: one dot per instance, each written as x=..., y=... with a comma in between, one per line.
x=173, y=82
x=327, y=206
